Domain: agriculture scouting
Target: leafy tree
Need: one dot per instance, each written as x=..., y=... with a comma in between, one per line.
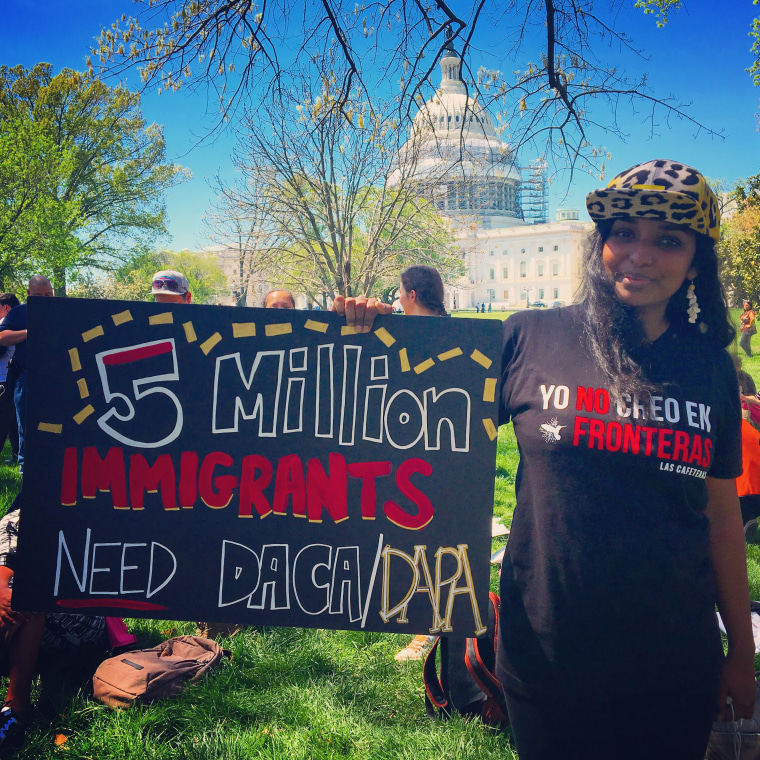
x=241, y=50
x=740, y=243
x=94, y=174
x=315, y=184
x=29, y=167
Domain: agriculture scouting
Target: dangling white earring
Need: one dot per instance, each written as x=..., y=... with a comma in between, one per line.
x=693, y=309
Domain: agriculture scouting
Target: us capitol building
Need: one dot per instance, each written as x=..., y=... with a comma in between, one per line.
x=498, y=210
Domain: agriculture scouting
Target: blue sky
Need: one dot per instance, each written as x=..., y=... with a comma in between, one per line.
x=699, y=58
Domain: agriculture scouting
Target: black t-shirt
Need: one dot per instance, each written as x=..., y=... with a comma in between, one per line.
x=607, y=586
x=15, y=319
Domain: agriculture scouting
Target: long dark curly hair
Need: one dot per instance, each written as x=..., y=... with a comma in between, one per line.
x=613, y=331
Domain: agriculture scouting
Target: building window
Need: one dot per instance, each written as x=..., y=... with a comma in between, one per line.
x=523, y=269
x=555, y=268
x=506, y=295
x=540, y=269
x=556, y=293
x=556, y=247
x=490, y=253
x=505, y=273
x=522, y=250
x=491, y=295
x=492, y=274
x=540, y=293
x=540, y=249
x=523, y=295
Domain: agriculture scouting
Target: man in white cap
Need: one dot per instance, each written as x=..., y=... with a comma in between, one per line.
x=170, y=286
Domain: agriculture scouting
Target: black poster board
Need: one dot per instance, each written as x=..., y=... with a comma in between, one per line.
x=258, y=466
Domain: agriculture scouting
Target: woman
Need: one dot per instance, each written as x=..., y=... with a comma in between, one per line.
x=421, y=295
x=421, y=292
x=747, y=323
x=627, y=528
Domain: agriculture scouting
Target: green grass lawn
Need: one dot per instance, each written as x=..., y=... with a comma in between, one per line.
x=472, y=314
x=288, y=693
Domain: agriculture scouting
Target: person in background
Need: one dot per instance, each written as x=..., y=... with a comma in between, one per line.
x=170, y=286
x=13, y=333
x=421, y=292
x=421, y=295
x=747, y=326
x=24, y=634
x=279, y=299
x=748, y=483
x=8, y=373
x=747, y=389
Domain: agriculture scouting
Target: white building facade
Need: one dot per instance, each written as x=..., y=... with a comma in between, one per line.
x=514, y=266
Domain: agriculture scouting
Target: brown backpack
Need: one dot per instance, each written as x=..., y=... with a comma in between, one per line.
x=145, y=675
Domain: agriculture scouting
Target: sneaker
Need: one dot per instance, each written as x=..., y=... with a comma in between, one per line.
x=12, y=729
x=415, y=650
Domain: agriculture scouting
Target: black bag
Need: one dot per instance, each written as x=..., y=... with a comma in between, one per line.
x=467, y=684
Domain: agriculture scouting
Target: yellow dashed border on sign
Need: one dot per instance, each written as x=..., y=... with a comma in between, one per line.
x=312, y=324
x=404, y=359
x=121, y=317
x=422, y=366
x=76, y=365
x=209, y=343
x=80, y=417
x=449, y=354
x=84, y=391
x=385, y=337
x=89, y=335
x=282, y=328
x=481, y=359
x=190, y=332
x=489, y=389
x=167, y=318
x=490, y=428
x=243, y=330
x=50, y=427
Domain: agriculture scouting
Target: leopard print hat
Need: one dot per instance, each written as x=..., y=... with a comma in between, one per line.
x=662, y=190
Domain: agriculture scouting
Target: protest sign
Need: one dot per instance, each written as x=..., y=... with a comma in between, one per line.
x=258, y=466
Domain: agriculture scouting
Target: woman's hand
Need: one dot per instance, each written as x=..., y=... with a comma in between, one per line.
x=360, y=311
x=737, y=681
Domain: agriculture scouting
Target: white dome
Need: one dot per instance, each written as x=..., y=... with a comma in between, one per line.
x=457, y=156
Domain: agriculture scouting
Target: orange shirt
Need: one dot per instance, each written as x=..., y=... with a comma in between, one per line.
x=748, y=483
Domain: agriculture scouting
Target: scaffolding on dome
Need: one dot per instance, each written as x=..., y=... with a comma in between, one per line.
x=533, y=192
